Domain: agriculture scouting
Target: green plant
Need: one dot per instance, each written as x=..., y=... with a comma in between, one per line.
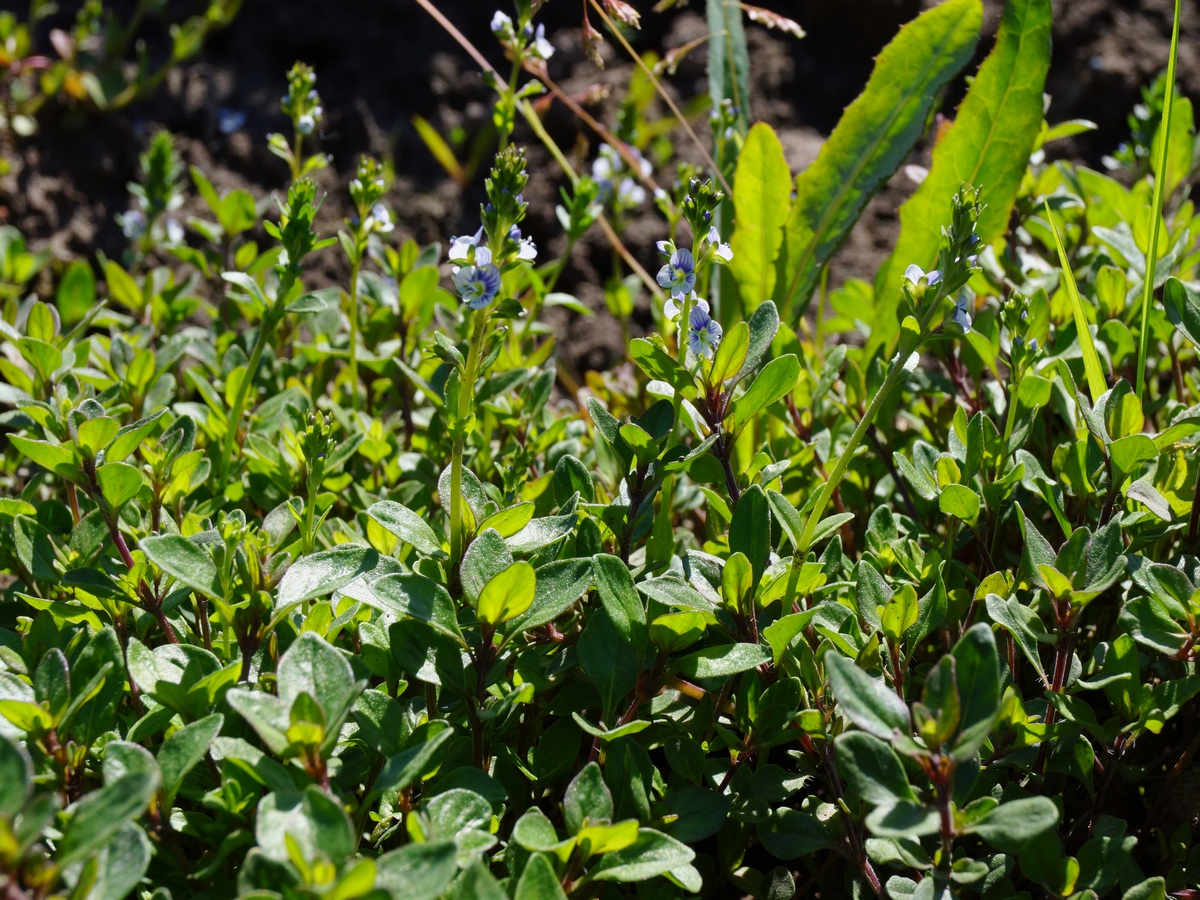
x=344, y=592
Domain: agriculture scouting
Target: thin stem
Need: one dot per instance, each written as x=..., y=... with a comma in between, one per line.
x=239, y=402
x=665, y=96
x=895, y=375
x=1157, y=210
x=355, y=402
x=466, y=397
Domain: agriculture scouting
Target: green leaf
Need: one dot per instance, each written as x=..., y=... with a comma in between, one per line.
x=60, y=459
x=1183, y=309
x=868, y=703
x=750, y=530
x=653, y=854
x=559, y=585
x=873, y=138
x=314, y=820
x=777, y=379
x=620, y=599
x=419, y=598
x=675, y=632
x=791, y=833
x=1012, y=825
x=100, y=814
x=587, y=799
x=1166, y=139
x=1087, y=344
x=183, y=749
x=119, y=483
x=509, y=594
x=406, y=767
x=762, y=177
x=313, y=666
x=872, y=769
x=608, y=660
x=903, y=819
x=977, y=662
x=418, y=871
x=764, y=324
x=130, y=437
x=538, y=881
x=722, y=661
x=959, y=501
x=184, y=560
x=994, y=132
x=728, y=59
x=323, y=573
x=1128, y=452
x=16, y=776
x=660, y=365
x=486, y=558
x=731, y=354
x=406, y=525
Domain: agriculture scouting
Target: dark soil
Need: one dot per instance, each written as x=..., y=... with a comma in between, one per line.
x=380, y=63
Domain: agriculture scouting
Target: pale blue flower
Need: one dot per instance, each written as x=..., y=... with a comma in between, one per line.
x=678, y=276
x=915, y=273
x=501, y=24
x=704, y=334
x=479, y=284
x=962, y=317
x=723, y=252
x=673, y=310
x=542, y=48
x=526, y=248
x=460, y=247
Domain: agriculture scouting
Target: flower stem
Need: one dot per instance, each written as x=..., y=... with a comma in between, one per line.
x=355, y=402
x=266, y=329
x=466, y=398
x=895, y=375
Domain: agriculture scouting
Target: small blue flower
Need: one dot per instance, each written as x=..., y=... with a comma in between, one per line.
x=461, y=247
x=703, y=334
x=479, y=284
x=723, y=252
x=915, y=273
x=679, y=275
x=526, y=248
x=673, y=309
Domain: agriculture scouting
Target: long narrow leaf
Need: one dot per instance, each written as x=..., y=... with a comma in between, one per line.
x=1160, y=181
x=873, y=138
x=989, y=145
x=1091, y=359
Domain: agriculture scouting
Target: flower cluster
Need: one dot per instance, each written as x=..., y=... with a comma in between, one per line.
x=526, y=41
x=302, y=103
x=618, y=183
x=678, y=278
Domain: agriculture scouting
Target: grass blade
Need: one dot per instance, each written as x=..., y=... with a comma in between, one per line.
x=1091, y=359
x=1160, y=181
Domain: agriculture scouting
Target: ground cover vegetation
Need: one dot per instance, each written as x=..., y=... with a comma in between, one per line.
x=349, y=591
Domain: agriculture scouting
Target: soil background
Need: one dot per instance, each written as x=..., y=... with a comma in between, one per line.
x=381, y=62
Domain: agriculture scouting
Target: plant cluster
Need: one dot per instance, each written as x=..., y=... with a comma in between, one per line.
x=348, y=592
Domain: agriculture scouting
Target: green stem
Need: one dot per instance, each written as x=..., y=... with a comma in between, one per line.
x=1157, y=210
x=895, y=375
x=466, y=398
x=266, y=329
x=354, y=398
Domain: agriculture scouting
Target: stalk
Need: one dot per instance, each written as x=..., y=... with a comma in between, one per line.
x=265, y=330
x=466, y=398
x=896, y=373
x=354, y=398
x=1157, y=208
